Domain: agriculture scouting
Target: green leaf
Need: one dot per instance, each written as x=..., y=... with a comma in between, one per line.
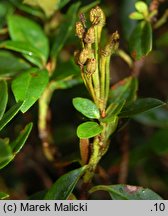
x=124, y=90
x=142, y=7
x=60, y=4
x=3, y=195
x=28, y=51
x=136, y=16
x=10, y=114
x=140, y=42
x=127, y=192
x=16, y=65
x=112, y=112
x=28, y=9
x=29, y=86
x=88, y=130
x=9, y=151
x=155, y=118
x=86, y=107
x=6, y=9
x=63, y=187
x=21, y=139
x=3, y=97
x=64, y=30
x=140, y=106
x=22, y=29
x=127, y=24
x=5, y=153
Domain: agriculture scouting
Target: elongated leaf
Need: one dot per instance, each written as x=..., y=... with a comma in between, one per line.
x=60, y=4
x=16, y=64
x=29, y=86
x=10, y=114
x=140, y=106
x=127, y=192
x=88, y=130
x=3, y=195
x=86, y=107
x=21, y=139
x=5, y=153
x=140, y=42
x=113, y=111
x=9, y=151
x=3, y=97
x=25, y=30
x=125, y=89
x=26, y=8
x=64, y=30
x=155, y=118
x=28, y=51
x=63, y=187
x=128, y=25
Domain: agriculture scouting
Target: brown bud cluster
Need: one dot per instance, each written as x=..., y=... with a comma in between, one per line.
x=90, y=36
x=91, y=66
x=97, y=16
x=80, y=31
x=112, y=44
x=83, y=56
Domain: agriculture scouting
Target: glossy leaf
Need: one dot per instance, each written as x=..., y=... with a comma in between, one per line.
x=127, y=192
x=140, y=106
x=5, y=153
x=25, y=30
x=124, y=90
x=28, y=51
x=140, y=42
x=64, y=30
x=3, y=97
x=64, y=186
x=21, y=139
x=16, y=65
x=10, y=114
x=3, y=195
x=88, y=130
x=86, y=107
x=155, y=118
x=29, y=86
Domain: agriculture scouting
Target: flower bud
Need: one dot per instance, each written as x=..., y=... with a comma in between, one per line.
x=80, y=30
x=90, y=36
x=83, y=56
x=91, y=66
x=112, y=44
x=97, y=16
